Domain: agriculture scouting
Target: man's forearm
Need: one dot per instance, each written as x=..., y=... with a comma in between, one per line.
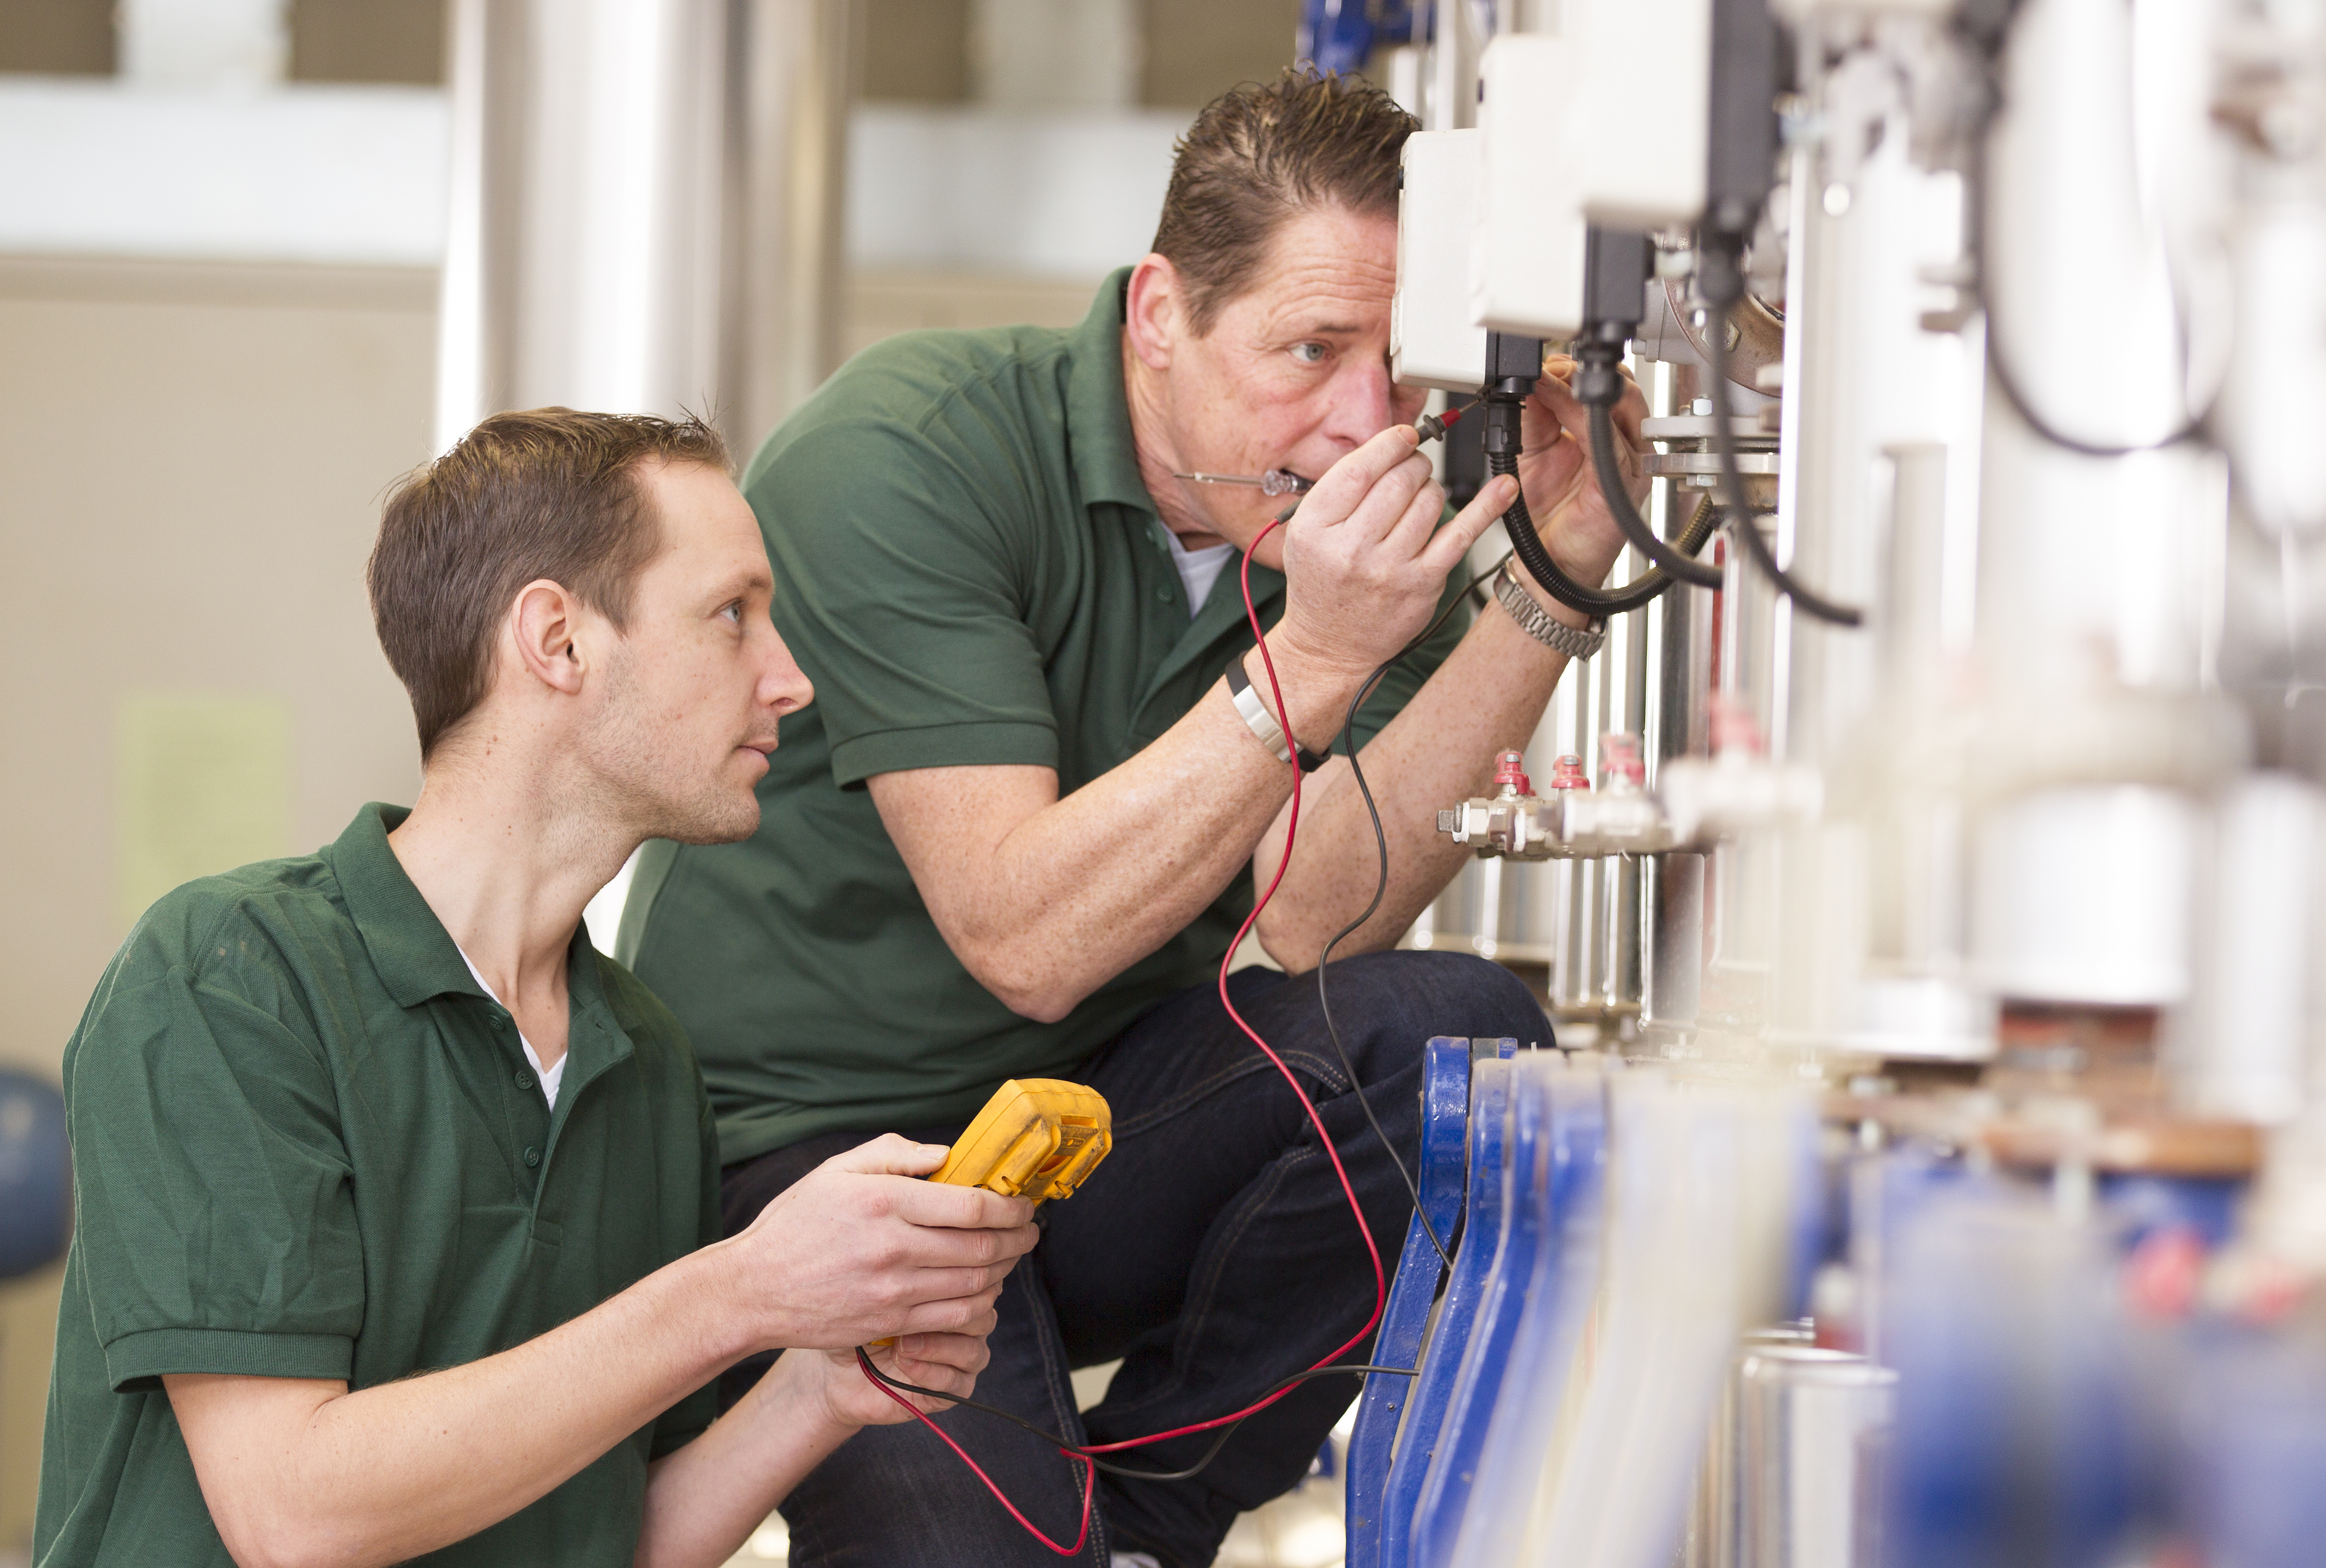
x=1083, y=888
x=704, y=1500
x=391, y=1472
x=1487, y=697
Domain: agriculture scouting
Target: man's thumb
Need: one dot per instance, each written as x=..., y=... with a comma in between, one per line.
x=890, y=1155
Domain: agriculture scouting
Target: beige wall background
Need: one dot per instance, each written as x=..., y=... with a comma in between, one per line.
x=190, y=461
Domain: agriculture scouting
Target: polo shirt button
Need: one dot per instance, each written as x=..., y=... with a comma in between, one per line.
x=524, y=1079
x=532, y=1156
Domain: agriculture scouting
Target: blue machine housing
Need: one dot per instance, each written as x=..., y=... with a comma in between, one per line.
x=35, y=1176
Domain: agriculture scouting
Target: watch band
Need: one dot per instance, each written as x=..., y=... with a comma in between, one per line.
x=1539, y=623
x=1261, y=722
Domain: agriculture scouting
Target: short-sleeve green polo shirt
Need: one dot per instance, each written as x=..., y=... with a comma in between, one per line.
x=969, y=567
x=306, y=1144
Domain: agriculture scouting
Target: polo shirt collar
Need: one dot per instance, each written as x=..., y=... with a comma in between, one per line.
x=1100, y=445
x=416, y=957
x=1105, y=454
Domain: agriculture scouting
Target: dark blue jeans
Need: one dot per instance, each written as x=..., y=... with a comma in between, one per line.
x=1213, y=1253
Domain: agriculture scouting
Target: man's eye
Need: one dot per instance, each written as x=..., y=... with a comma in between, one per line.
x=734, y=612
x=1308, y=353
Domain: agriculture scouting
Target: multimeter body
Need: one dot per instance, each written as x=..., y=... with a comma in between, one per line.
x=1036, y=1137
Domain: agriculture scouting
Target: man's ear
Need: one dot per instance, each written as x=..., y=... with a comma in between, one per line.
x=543, y=623
x=1155, y=311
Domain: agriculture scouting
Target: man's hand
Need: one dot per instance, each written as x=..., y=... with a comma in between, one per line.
x=1562, y=490
x=859, y=1249
x=1364, y=560
x=704, y=1500
x=948, y=1362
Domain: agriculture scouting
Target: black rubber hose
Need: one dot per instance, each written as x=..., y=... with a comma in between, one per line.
x=1504, y=414
x=1527, y=545
x=1741, y=515
x=1681, y=565
x=1592, y=602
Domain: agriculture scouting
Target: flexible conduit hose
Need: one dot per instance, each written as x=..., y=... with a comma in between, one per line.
x=1741, y=518
x=1679, y=561
x=1502, y=457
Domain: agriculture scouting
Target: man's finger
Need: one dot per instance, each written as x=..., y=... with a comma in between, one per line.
x=966, y=1351
x=941, y=1203
x=949, y=1315
x=1559, y=401
x=955, y=1282
x=961, y=1347
x=1450, y=543
x=942, y=1246
x=1376, y=517
x=1413, y=528
x=889, y=1156
x=1345, y=486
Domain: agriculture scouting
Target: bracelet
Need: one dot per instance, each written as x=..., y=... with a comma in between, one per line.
x=1541, y=624
x=1262, y=723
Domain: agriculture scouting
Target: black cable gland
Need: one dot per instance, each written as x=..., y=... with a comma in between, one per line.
x=1598, y=376
x=1617, y=263
x=1719, y=270
x=1501, y=433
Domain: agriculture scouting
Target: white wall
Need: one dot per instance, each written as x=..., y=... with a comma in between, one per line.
x=357, y=175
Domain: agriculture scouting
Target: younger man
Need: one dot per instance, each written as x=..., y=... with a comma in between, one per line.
x=393, y=1195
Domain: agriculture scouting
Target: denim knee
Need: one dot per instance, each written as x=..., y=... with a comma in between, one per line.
x=1421, y=994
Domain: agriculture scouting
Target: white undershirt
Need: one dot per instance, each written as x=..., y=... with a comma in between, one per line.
x=549, y=1078
x=1199, y=568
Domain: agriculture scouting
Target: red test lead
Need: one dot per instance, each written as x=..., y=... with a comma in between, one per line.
x=1348, y=1189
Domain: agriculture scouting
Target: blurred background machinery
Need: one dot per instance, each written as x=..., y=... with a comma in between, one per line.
x=1970, y=772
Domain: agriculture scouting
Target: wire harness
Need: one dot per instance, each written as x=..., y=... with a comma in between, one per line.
x=1088, y=1456
x=1506, y=397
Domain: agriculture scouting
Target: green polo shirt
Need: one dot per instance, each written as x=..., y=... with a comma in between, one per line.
x=972, y=572
x=306, y=1144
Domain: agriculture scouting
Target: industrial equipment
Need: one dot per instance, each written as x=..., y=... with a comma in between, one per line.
x=1929, y=865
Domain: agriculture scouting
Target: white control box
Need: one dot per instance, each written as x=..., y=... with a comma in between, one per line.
x=1640, y=162
x=1433, y=338
x=1529, y=255
x=1570, y=140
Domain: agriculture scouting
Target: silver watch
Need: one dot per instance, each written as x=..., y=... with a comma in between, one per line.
x=1538, y=623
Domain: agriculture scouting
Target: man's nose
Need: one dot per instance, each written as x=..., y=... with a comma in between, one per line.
x=783, y=686
x=1362, y=403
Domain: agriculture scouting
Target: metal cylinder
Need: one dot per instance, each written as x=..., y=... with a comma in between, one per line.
x=1805, y=1495
x=645, y=207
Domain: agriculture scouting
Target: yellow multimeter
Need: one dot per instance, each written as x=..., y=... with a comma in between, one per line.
x=1036, y=1137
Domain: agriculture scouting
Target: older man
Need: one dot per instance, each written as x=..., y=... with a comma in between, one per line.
x=1037, y=810
x=393, y=1195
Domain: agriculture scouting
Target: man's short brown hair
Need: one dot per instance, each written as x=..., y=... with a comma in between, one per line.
x=547, y=493
x=1262, y=152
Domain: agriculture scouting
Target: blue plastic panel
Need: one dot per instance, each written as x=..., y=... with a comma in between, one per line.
x=1445, y=1118
x=1535, y=1306
x=1485, y=1234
